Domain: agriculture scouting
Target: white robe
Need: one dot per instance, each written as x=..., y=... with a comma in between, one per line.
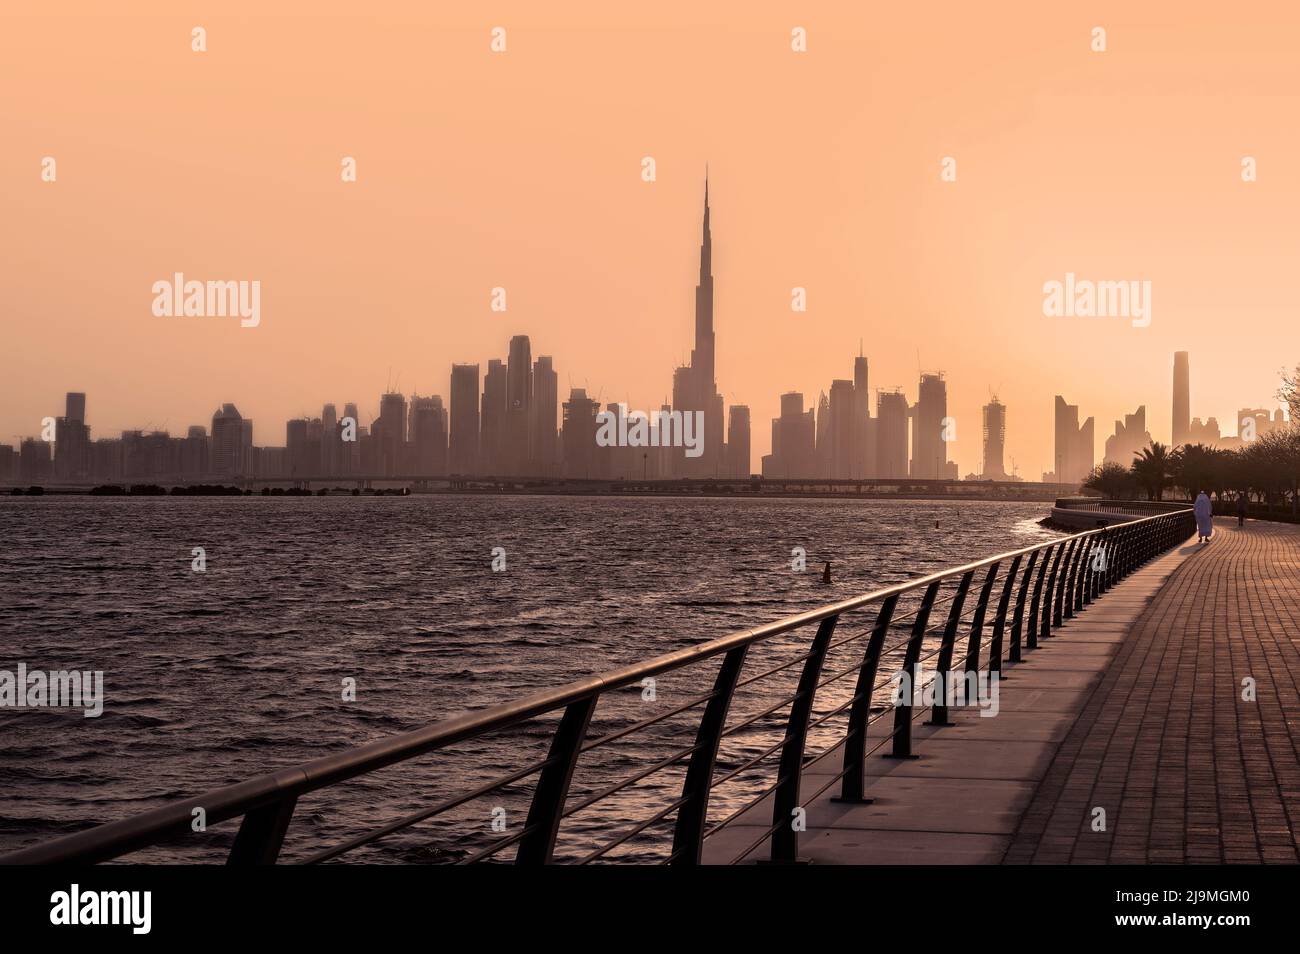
x=1204, y=516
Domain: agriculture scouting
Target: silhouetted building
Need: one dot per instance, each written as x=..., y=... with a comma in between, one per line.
x=695, y=387
x=543, y=440
x=1130, y=437
x=350, y=450
x=864, y=439
x=738, y=444
x=389, y=434
x=492, y=432
x=463, y=445
x=1182, y=398
x=428, y=436
x=995, y=440
x=843, y=448
x=891, y=434
x=929, y=415
x=1074, y=444
x=578, y=438
x=232, y=441
x=72, y=440
x=331, y=445
x=794, y=441
x=519, y=399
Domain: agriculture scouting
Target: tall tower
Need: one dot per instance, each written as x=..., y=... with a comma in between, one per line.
x=695, y=387
x=1182, y=399
x=519, y=401
x=995, y=436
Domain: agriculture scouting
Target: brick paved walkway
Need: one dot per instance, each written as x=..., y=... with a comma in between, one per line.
x=1186, y=770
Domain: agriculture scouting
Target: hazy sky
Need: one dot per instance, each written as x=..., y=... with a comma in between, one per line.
x=522, y=169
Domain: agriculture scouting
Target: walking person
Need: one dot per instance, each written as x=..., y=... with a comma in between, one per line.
x=1242, y=507
x=1204, y=518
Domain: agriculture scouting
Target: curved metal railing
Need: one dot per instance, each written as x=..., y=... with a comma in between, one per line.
x=1021, y=598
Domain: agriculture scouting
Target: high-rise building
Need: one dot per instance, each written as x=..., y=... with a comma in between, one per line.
x=519, y=399
x=794, y=440
x=72, y=439
x=695, y=386
x=995, y=440
x=1182, y=398
x=929, y=416
x=1074, y=444
x=296, y=448
x=492, y=432
x=231, y=438
x=389, y=434
x=543, y=440
x=891, y=434
x=864, y=444
x=738, y=441
x=428, y=436
x=843, y=447
x=1130, y=437
x=350, y=450
x=462, y=449
x=578, y=438
x=329, y=444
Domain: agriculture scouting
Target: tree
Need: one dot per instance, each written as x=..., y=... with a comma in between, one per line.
x=1113, y=481
x=1196, y=467
x=1290, y=392
x=1151, y=468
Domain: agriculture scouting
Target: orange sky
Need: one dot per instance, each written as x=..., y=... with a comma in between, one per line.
x=522, y=169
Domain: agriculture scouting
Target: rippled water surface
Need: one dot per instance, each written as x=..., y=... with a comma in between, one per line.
x=212, y=677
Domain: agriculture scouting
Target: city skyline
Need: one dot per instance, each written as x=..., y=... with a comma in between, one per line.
x=395, y=270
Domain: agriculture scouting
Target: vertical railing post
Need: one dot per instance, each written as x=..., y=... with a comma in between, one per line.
x=1035, y=626
x=261, y=833
x=785, y=800
x=977, y=622
x=688, y=832
x=907, y=686
x=1018, y=619
x=1068, y=576
x=939, y=711
x=1085, y=567
x=547, y=808
x=1053, y=617
x=855, y=738
x=1000, y=617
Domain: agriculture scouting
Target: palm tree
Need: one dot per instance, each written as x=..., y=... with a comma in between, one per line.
x=1152, y=467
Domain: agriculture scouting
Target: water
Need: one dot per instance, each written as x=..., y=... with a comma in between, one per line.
x=213, y=677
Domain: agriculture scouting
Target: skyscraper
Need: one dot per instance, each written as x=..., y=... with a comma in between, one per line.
x=579, y=435
x=995, y=438
x=794, y=440
x=462, y=451
x=493, y=420
x=1130, y=437
x=843, y=448
x=230, y=437
x=864, y=445
x=329, y=445
x=695, y=387
x=1182, y=398
x=428, y=435
x=72, y=439
x=1074, y=444
x=929, y=449
x=519, y=399
x=738, y=441
x=891, y=434
x=543, y=440
x=390, y=434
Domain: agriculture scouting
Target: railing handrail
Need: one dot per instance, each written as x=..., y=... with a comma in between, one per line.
x=113, y=839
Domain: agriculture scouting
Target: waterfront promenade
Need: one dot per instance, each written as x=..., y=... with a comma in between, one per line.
x=1133, y=708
